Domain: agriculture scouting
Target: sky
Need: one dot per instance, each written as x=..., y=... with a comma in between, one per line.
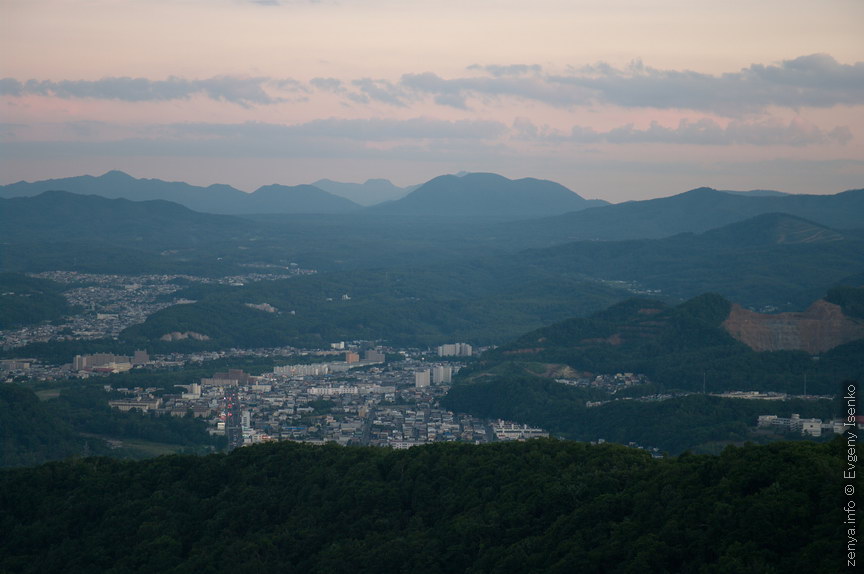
x=616, y=99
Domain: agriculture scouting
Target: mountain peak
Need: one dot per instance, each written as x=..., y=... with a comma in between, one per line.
x=116, y=174
x=488, y=195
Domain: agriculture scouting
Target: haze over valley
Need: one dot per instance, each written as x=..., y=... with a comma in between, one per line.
x=386, y=286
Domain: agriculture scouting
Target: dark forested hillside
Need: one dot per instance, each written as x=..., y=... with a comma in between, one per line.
x=79, y=422
x=697, y=423
x=539, y=506
x=412, y=306
x=26, y=300
x=680, y=347
x=773, y=259
x=850, y=299
x=31, y=434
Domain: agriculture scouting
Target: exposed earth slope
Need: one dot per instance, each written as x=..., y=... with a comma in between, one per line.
x=821, y=327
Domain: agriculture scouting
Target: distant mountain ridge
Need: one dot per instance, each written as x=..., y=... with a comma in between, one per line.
x=483, y=195
x=65, y=216
x=217, y=199
x=694, y=211
x=480, y=195
x=488, y=195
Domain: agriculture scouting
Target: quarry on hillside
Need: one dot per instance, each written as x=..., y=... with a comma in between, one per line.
x=821, y=327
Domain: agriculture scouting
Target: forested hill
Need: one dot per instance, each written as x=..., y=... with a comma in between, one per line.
x=682, y=347
x=26, y=300
x=538, y=506
x=79, y=421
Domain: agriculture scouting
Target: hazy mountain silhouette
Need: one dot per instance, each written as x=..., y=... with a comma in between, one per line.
x=117, y=184
x=65, y=216
x=694, y=211
x=221, y=199
x=295, y=199
x=488, y=195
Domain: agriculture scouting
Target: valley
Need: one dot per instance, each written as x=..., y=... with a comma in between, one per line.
x=327, y=287
x=697, y=323
x=730, y=297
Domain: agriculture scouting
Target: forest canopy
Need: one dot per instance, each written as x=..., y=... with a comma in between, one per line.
x=538, y=506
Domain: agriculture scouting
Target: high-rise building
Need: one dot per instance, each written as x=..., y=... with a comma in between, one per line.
x=455, y=350
x=314, y=369
x=421, y=379
x=442, y=374
x=373, y=356
x=232, y=378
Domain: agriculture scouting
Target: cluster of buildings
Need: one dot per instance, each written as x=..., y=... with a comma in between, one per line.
x=107, y=304
x=437, y=375
x=14, y=365
x=108, y=363
x=609, y=383
x=455, y=350
x=811, y=427
x=505, y=430
x=352, y=361
x=362, y=401
x=382, y=404
x=614, y=383
x=752, y=395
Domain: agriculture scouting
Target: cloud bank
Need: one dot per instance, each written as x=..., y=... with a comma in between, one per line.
x=702, y=132
x=815, y=81
x=231, y=89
